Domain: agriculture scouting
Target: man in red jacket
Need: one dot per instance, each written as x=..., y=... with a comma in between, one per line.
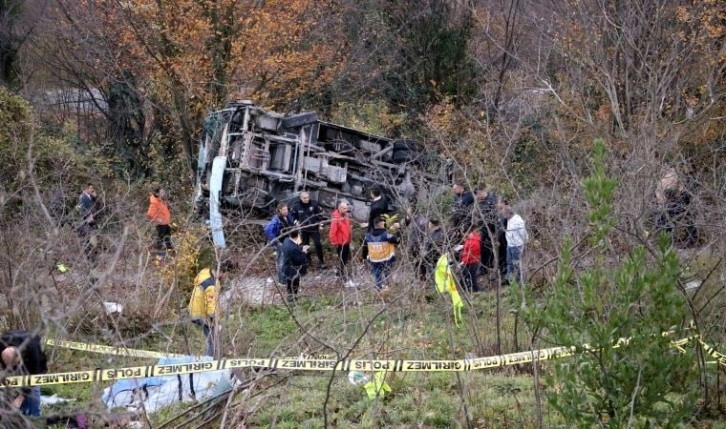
x=340, y=235
x=470, y=258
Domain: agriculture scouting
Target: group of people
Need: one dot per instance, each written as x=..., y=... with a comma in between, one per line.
x=486, y=227
x=484, y=235
x=21, y=354
x=489, y=230
x=87, y=211
x=495, y=235
x=292, y=229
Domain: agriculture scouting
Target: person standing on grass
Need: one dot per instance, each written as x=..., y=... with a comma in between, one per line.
x=379, y=248
x=470, y=259
x=203, y=303
x=517, y=236
x=87, y=224
x=308, y=216
x=22, y=354
x=277, y=229
x=160, y=215
x=294, y=264
x=434, y=245
x=416, y=236
x=486, y=210
x=341, y=233
x=502, y=238
x=379, y=207
x=463, y=200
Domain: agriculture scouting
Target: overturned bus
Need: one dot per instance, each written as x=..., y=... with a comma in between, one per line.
x=252, y=158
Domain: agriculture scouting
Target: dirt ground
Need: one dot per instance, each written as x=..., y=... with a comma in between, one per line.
x=261, y=289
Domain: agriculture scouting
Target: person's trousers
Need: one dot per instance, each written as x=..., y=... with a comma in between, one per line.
x=31, y=403
x=293, y=286
x=470, y=273
x=502, y=252
x=315, y=235
x=87, y=233
x=381, y=272
x=208, y=331
x=487, y=248
x=343, y=254
x=514, y=264
x=419, y=263
x=163, y=237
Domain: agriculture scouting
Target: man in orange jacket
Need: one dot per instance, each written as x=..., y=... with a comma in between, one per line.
x=159, y=214
x=340, y=236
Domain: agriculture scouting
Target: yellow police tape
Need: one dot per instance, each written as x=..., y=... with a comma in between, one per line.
x=397, y=365
x=109, y=350
x=711, y=351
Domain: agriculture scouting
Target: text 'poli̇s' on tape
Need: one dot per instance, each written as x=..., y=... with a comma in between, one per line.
x=303, y=364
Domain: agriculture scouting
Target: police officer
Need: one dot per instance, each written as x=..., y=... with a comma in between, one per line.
x=308, y=217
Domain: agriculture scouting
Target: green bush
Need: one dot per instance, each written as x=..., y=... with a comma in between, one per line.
x=644, y=383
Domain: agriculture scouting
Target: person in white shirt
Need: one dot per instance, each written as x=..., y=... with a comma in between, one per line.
x=516, y=235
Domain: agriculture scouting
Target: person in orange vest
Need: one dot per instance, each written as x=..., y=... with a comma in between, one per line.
x=159, y=213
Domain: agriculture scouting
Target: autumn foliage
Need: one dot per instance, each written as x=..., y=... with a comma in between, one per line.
x=185, y=57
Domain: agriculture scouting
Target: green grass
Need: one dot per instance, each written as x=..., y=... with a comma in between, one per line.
x=331, y=325
x=417, y=400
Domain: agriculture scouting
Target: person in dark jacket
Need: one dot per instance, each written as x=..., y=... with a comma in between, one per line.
x=277, y=229
x=87, y=225
x=294, y=263
x=416, y=236
x=487, y=217
x=86, y=201
x=434, y=246
x=308, y=216
x=463, y=200
x=57, y=207
x=379, y=248
x=501, y=237
x=22, y=354
x=677, y=216
x=379, y=207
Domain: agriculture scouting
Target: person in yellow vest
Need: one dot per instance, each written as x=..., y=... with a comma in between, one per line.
x=379, y=247
x=203, y=302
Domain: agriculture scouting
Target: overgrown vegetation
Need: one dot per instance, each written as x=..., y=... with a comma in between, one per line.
x=621, y=319
x=512, y=91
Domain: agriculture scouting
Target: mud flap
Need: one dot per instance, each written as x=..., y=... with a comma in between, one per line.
x=215, y=194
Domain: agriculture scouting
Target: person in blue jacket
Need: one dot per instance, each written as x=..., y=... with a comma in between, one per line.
x=277, y=228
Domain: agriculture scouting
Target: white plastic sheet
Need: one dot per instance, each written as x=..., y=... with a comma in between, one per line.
x=153, y=393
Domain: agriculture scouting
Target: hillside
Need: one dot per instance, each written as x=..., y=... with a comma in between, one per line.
x=603, y=125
